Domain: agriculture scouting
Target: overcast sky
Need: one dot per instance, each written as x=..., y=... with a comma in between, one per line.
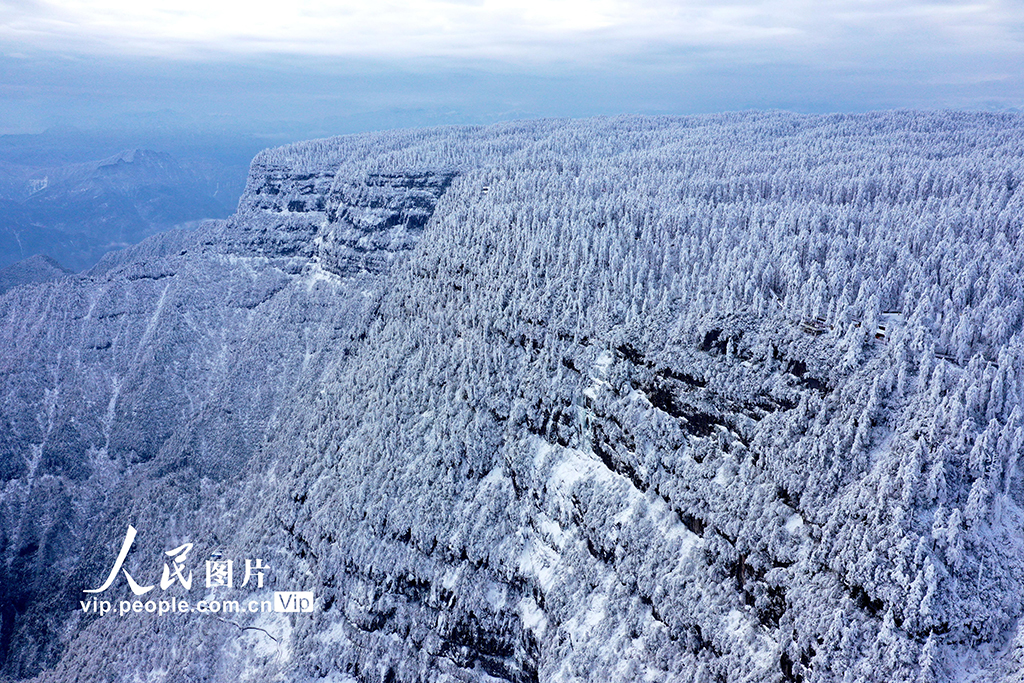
x=315, y=67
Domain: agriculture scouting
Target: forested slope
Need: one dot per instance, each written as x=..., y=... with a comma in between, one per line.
x=718, y=398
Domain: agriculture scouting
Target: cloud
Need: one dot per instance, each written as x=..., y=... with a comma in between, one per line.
x=339, y=66
x=520, y=31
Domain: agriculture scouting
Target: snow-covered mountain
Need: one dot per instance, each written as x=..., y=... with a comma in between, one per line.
x=722, y=398
x=33, y=270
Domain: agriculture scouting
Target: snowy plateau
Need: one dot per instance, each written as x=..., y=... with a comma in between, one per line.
x=718, y=398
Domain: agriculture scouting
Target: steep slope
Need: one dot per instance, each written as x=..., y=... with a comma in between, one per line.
x=718, y=398
x=158, y=367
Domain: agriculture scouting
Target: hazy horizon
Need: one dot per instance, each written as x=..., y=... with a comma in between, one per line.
x=309, y=69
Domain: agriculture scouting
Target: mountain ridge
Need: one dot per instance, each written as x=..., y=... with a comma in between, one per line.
x=628, y=414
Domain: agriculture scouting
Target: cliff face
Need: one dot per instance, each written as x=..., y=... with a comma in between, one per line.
x=170, y=357
x=639, y=399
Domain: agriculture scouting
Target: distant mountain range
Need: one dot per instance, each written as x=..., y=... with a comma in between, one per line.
x=57, y=201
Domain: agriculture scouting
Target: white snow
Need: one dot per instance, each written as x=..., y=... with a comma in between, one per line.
x=532, y=615
x=724, y=474
x=539, y=561
x=334, y=634
x=601, y=366
x=597, y=612
x=497, y=596
x=316, y=273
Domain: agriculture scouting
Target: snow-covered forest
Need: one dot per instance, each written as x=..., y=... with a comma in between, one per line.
x=719, y=398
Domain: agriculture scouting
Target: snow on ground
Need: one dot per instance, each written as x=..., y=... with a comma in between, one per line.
x=540, y=561
x=761, y=648
x=532, y=615
x=541, y=557
x=316, y=273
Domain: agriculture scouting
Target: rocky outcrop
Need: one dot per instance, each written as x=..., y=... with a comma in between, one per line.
x=346, y=225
